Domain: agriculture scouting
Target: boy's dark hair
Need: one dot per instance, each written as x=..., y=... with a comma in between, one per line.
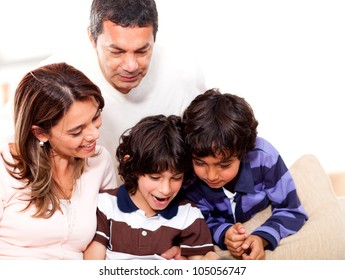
x=219, y=123
x=154, y=145
x=126, y=13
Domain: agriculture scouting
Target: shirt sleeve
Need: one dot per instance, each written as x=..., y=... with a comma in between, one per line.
x=103, y=229
x=196, y=238
x=218, y=223
x=104, y=210
x=109, y=179
x=288, y=214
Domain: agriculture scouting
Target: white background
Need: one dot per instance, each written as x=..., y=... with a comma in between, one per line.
x=287, y=58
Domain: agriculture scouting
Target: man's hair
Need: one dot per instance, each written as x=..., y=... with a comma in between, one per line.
x=216, y=123
x=154, y=145
x=126, y=13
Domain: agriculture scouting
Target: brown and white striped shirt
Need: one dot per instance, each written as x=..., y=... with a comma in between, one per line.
x=129, y=234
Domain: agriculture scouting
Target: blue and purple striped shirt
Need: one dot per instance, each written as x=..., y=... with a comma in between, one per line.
x=263, y=180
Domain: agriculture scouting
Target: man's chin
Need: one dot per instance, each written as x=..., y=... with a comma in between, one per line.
x=125, y=88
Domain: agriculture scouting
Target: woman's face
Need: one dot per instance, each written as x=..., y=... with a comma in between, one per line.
x=76, y=133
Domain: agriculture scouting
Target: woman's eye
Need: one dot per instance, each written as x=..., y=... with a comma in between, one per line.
x=76, y=134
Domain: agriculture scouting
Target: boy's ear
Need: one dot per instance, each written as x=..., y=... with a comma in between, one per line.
x=39, y=133
x=126, y=157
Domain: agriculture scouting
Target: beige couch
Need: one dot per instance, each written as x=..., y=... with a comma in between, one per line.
x=323, y=235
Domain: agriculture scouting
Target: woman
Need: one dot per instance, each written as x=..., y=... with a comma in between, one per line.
x=51, y=175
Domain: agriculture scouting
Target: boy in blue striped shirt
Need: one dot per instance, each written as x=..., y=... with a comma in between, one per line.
x=238, y=174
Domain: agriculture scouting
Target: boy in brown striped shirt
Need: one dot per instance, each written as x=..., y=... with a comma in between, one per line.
x=147, y=215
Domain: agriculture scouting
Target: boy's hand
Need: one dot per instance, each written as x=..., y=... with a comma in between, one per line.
x=173, y=253
x=211, y=256
x=254, y=248
x=234, y=238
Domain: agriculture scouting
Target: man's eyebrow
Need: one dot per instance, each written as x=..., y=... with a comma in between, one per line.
x=113, y=46
x=147, y=45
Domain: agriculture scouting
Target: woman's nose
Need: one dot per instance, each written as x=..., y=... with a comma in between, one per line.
x=92, y=134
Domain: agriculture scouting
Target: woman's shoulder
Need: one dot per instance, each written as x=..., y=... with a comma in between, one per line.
x=101, y=166
x=102, y=157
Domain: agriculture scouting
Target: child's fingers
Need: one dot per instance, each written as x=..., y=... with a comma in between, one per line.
x=240, y=228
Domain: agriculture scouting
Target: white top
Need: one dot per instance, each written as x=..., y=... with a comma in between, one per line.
x=64, y=235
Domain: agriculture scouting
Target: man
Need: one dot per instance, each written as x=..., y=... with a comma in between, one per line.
x=137, y=76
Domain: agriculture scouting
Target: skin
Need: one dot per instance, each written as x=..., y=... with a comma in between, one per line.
x=74, y=136
x=124, y=54
x=76, y=133
x=216, y=172
x=154, y=193
x=240, y=244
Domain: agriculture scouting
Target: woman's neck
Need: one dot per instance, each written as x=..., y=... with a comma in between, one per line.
x=63, y=174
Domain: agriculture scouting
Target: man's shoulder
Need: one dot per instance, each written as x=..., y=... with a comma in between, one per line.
x=174, y=57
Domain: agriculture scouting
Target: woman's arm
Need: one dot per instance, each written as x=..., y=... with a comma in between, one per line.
x=95, y=251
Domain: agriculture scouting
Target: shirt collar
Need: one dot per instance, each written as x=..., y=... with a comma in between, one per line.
x=245, y=183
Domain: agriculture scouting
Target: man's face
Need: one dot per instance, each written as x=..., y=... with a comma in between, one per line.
x=124, y=54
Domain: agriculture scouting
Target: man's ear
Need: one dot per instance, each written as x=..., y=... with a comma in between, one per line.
x=92, y=40
x=39, y=133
